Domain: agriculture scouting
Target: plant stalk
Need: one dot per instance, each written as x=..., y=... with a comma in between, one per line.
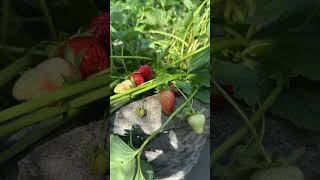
x=45, y=10
x=255, y=118
x=71, y=90
x=164, y=125
x=247, y=121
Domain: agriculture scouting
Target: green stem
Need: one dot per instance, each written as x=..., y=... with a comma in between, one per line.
x=49, y=112
x=14, y=69
x=256, y=117
x=45, y=10
x=18, y=50
x=31, y=119
x=27, y=141
x=164, y=124
x=90, y=97
x=52, y=97
x=154, y=83
x=169, y=35
x=185, y=57
x=247, y=121
x=122, y=60
x=227, y=43
x=130, y=57
x=122, y=98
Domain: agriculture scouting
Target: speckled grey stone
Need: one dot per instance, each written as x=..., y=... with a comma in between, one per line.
x=64, y=157
x=174, y=151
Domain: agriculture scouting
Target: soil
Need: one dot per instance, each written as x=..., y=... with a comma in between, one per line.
x=280, y=136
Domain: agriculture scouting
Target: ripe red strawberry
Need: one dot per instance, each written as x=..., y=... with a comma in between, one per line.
x=167, y=100
x=95, y=57
x=146, y=72
x=100, y=27
x=174, y=89
x=136, y=78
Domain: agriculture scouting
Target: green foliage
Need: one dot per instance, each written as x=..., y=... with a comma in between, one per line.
x=258, y=45
x=265, y=46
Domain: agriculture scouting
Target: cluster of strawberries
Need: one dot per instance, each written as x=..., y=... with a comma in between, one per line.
x=94, y=59
x=143, y=74
x=95, y=46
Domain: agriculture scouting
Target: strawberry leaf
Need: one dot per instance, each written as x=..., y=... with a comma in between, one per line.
x=200, y=59
x=69, y=54
x=123, y=162
x=300, y=106
x=185, y=87
x=203, y=95
x=202, y=78
x=244, y=81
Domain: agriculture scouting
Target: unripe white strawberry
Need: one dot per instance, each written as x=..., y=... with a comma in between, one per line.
x=123, y=86
x=46, y=77
x=278, y=173
x=196, y=121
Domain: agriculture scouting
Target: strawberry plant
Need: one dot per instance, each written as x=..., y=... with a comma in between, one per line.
x=148, y=41
x=265, y=51
x=54, y=70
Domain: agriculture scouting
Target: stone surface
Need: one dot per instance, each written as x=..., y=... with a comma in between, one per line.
x=174, y=151
x=64, y=157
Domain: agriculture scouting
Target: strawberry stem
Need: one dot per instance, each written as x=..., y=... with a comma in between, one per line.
x=13, y=70
x=164, y=125
x=48, y=112
x=255, y=118
x=130, y=57
x=30, y=139
x=248, y=123
x=143, y=88
x=33, y=118
x=45, y=10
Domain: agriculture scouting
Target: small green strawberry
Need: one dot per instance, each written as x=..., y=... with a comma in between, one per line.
x=141, y=112
x=196, y=121
x=278, y=173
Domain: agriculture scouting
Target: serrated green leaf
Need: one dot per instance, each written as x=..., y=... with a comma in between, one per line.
x=123, y=162
x=244, y=81
x=294, y=54
x=200, y=60
x=300, y=106
x=185, y=87
x=120, y=152
x=268, y=12
x=203, y=95
x=202, y=78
